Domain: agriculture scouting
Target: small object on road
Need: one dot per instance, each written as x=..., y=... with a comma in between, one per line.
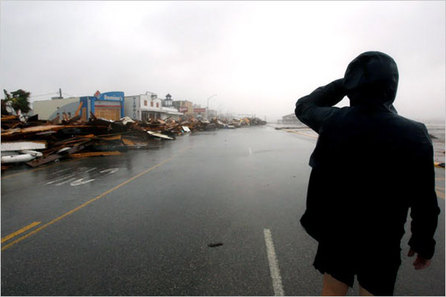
x=215, y=244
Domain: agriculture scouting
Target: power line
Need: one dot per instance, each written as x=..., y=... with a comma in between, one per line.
x=32, y=96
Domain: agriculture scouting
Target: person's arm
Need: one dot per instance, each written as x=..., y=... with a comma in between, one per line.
x=424, y=211
x=314, y=108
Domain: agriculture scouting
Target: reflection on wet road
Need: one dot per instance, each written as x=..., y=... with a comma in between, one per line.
x=213, y=213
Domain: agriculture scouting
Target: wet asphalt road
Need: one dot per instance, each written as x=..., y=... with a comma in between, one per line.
x=140, y=223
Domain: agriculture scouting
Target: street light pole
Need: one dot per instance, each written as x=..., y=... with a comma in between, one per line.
x=207, y=106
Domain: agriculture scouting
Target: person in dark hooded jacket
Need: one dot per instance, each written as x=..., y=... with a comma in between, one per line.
x=369, y=167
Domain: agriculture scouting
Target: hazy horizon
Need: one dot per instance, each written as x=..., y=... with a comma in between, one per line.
x=256, y=57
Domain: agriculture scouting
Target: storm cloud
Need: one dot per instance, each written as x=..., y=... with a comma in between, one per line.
x=257, y=57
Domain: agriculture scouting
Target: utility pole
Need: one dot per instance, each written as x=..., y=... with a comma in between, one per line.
x=207, y=106
x=60, y=93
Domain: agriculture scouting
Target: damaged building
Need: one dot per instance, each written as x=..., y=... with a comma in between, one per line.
x=146, y=107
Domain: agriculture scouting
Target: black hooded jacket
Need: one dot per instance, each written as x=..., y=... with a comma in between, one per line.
x=370, y=165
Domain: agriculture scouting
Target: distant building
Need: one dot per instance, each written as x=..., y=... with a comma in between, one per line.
x=168, y=102
x=290, y=119
x=49, y=109
x=184, y=106
x=198, y=111
x=149, y=106
x=109, y=105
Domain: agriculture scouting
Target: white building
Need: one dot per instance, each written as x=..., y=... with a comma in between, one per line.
x=49, y=109
x=148, y=106
x=290, y=119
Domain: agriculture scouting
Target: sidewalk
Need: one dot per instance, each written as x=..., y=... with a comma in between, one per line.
x=437, y=133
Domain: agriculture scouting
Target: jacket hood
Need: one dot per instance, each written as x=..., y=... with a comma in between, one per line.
x=372, y=79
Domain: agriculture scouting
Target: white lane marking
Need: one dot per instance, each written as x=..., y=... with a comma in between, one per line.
x=110, y=170
x=60, y=179
x=60, y=171
x=81, y=181
x=66, y=181
x=81, y=176
x=250, y=151
x=273, y=264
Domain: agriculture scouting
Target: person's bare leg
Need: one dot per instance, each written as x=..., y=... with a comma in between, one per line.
x=333, y=287
x=364, y=292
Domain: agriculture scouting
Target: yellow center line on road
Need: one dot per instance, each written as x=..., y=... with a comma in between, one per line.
x=20, y=231
x=90, y=201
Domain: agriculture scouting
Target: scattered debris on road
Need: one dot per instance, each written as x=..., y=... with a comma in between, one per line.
x=36, y=142
x=215, y=244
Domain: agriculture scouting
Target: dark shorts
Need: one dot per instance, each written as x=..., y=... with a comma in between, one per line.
x=376, y=271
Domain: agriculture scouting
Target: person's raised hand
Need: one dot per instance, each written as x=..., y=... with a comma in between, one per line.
x=420, y=262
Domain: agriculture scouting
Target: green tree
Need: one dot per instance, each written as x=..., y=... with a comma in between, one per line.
x=18, y=100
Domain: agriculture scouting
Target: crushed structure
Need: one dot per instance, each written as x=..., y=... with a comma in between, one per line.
x=36, y=142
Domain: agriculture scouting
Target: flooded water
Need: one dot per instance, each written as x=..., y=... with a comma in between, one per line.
x=436, y=131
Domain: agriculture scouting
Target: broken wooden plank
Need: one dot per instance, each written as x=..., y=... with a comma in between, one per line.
x=78, y=110
x=34, y=129
x=95, y=154
x=23, y=145
x=9, y=118
x=127, y=141
x=74, y=119
x=53, y=157
x=159, y=135
x=42, y=161
x=111, y=137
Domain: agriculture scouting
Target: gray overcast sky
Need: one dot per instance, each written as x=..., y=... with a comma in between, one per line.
x=258, y=57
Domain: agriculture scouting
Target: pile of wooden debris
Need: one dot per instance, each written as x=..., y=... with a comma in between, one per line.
x=38, y=142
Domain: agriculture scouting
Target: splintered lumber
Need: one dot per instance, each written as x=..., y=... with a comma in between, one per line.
x=9, y=118
x=37, y=129
x=53, y=157
x=127, y=141
x=34, y=129
x=159, y=135
x=73, y=140
x=94, y=154
x=65, y=116
x=78, y=110
x=110, y=137
x=45, y=160
x=23, y=145
x=134, y=142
